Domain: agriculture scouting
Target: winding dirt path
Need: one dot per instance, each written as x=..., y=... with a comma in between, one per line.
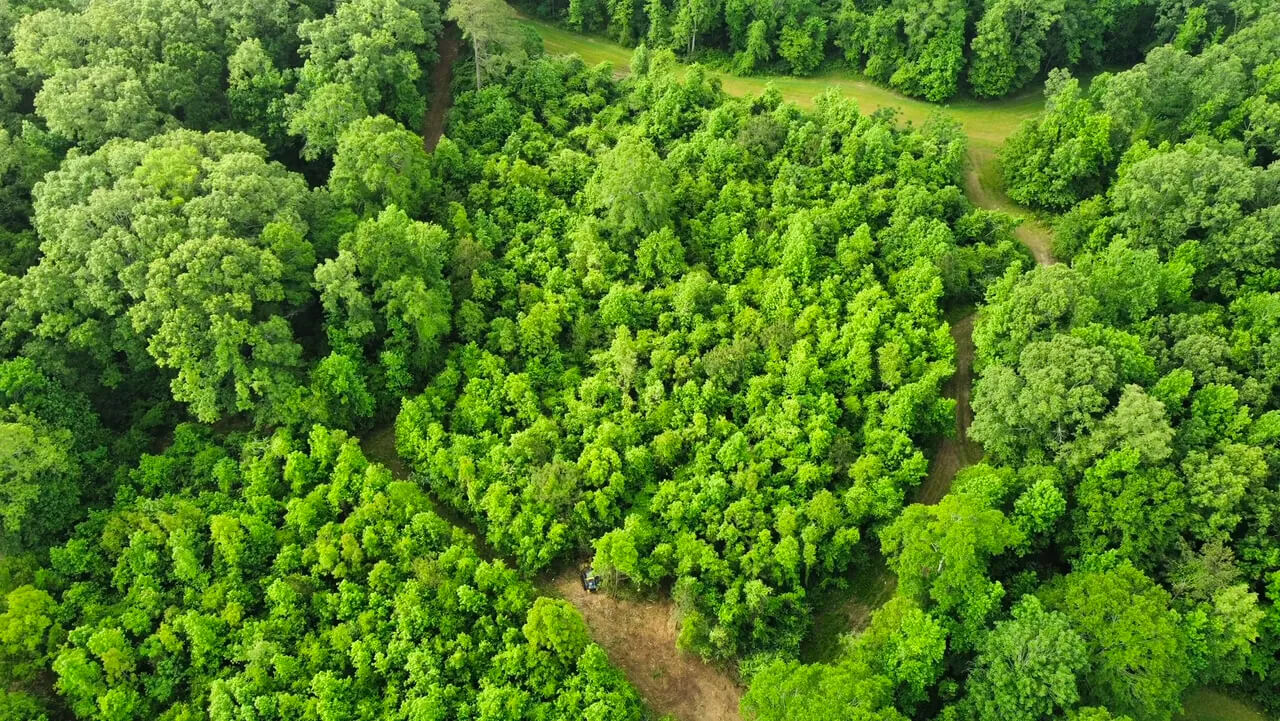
x=441, y=87
x=989, y=194
x=957, y=452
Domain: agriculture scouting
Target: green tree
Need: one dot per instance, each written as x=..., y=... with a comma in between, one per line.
x=256, y=92
x=91, y=105
x=327, y=113
x=904, y=645
x=633, y=187
x=1027, y=667
x=374, y=50
x=339, y=393
x=128, y=226
x=1127, y=505
x=557, y=626
x=804, y=47
x=39, y=474
x=1056, y=393
x=1136, y=644
x=1010, y=44
x=1063, y=156
x=127, y=67
x=385, y=297
x=941, y=555
x=790, y=691
x=491, y=27
x=378, y=164
x=210, y=313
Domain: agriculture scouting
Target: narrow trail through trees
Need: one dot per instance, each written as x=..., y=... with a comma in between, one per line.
x=958, y=452
x=955, y=453
x=988, y=193
x=441, y=97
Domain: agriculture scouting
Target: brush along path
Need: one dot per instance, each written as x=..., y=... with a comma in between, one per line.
x=638, y=636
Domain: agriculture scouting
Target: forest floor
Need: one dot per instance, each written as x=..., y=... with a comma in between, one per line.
x=441, y=87
x=841, y=611
x=1206, y=704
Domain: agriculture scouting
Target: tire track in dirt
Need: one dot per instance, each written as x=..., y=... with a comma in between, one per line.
x=957, y=452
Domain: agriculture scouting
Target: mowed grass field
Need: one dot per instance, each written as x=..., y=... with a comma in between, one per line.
x=987, y=123
x=1206, y=704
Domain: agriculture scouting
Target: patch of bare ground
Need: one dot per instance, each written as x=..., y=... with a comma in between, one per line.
x=640, y=638
x=956, y=452
x=1037, y=238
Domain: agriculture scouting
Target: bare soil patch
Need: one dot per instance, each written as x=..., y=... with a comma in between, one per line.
x=640, y=639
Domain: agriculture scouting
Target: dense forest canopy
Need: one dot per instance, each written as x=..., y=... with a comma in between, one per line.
x=925, y=48
x=699, y=342
x=722, y=368
x=1118, y=544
